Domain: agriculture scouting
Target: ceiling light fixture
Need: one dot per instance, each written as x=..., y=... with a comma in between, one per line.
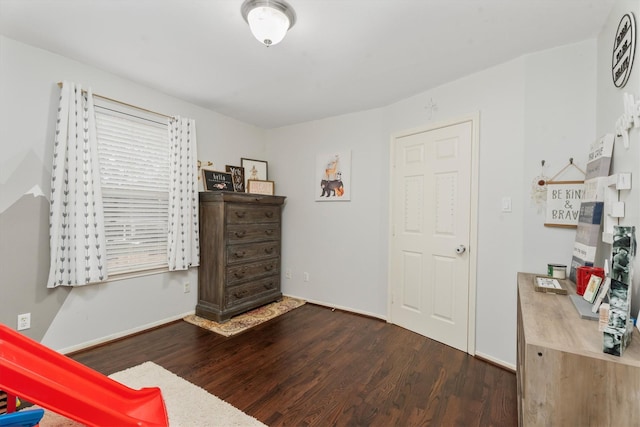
x=269, y=20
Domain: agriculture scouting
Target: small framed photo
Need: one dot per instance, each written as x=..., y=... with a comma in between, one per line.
x=592, y=288
x=256, y=186
x=254, y=169
x=237, y=173
x=216, y=181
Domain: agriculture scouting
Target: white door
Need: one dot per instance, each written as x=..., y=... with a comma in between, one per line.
x=431, y=228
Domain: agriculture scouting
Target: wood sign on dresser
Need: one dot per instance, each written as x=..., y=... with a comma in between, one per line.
x=240, y=237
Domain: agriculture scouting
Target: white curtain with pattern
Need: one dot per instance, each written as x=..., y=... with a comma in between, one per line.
x=76, y=223
x=183, y=244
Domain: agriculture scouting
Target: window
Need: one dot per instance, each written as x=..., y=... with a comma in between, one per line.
x=134, y=171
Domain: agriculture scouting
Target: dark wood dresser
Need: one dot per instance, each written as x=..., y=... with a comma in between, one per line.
x=240, y=237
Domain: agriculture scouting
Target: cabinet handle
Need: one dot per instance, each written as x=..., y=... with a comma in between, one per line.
x=268, y=232
x=240, y=274
x=269, y=250
x=240, y=294
x=269, y=285
x=240, y=214
x=240, y=234
x=268, y=214
x=240, y=254
x=268, y=267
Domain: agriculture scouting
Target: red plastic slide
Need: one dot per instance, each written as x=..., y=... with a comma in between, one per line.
x=45, y=377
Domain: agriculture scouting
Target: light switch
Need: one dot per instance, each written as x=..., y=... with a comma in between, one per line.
x=506, y=204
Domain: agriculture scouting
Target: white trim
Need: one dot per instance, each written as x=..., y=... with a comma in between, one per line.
x=340, y=307
x=474, y=118
x=123, y=334
x=496, y=361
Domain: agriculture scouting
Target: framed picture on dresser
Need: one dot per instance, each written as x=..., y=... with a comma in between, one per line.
x=254, y=169
x=237, y=174
x=261, y=187
x=216, y=181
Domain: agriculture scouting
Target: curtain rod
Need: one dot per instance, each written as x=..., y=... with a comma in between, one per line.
x=124, y=103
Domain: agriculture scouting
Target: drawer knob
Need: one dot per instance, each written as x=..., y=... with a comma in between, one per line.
x=240, y=234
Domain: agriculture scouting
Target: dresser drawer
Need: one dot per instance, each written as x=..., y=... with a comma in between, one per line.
x=251, y=214
x=253, y=232
x=244, y=272
x=238, y=294
x=252, y=252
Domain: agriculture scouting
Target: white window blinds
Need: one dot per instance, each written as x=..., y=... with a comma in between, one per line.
x=134, y=170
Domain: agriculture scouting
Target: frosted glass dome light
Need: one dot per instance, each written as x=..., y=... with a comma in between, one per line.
x=269, y=20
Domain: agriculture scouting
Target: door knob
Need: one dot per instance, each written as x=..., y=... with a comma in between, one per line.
x=460, y=249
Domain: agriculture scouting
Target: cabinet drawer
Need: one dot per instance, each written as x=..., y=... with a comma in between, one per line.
x=253, y=233
x=249, y=214
x=243, y=272
x=252, y=252
x=238, y=294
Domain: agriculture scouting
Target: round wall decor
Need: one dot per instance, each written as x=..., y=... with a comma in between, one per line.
x=624, y=49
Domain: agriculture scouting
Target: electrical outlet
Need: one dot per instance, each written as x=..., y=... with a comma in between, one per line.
x=305, y=275
x=24, y=321
x=186, y=288
x=287, y=273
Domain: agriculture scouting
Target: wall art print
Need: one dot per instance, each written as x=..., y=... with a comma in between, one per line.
x=333, y=177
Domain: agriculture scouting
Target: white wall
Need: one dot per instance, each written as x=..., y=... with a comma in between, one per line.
x=527, y=113
x=610, y=108
x=344, y=245
x=64, y=319
x=560, y=112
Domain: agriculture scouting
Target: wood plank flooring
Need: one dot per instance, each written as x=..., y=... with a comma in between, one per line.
x=318, y=367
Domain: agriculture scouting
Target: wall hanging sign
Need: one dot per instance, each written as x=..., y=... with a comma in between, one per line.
x=563, y=200
x=624, y=48
x=563, y=203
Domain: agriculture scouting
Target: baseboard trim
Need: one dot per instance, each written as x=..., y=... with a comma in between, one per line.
x=123, y=334
x=340, y=307
x=499, y=363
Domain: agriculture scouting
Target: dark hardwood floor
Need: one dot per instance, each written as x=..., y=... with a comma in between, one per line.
x=318, y=367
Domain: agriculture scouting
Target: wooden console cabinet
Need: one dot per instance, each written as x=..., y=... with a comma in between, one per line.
x=563, y=377
x=239, y=253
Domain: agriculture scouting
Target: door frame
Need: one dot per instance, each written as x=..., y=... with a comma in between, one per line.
x=474, y=118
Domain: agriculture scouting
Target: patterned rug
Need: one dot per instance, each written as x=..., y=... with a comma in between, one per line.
x=247, y=320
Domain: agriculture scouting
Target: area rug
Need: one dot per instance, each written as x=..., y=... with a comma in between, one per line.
x=187, y=404
x=242, y=322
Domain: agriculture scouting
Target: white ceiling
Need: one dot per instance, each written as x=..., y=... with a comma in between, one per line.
x=341, y=56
